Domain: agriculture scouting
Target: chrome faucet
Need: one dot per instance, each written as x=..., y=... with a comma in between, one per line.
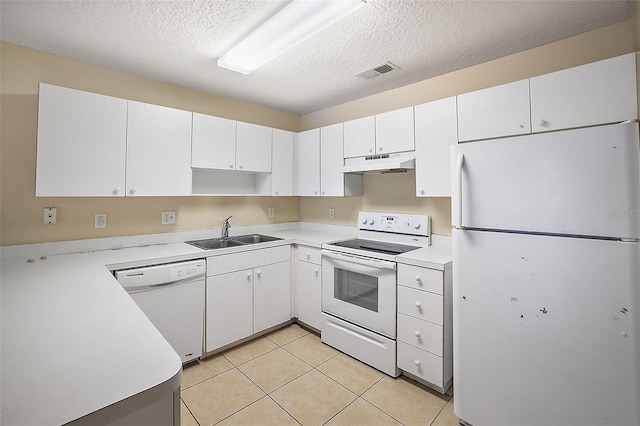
x=225, y=227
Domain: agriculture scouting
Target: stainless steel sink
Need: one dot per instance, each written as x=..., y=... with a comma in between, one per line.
x=254, y=238
x=240, y=240
x=215, y=243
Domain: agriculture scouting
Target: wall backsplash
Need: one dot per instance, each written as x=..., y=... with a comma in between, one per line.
x=389, y=193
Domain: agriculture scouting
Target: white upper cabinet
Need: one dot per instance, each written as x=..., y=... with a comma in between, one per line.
x=395, y=131
x=494, y=112
x=81, y=143
x=331, y=161
x=436, y=132
x=596, y=93
x=213, y=143
x=253, y=148
x=158, y=150
x=219, y=143
x=360, y=137
x=282, y=163
x=307, y=149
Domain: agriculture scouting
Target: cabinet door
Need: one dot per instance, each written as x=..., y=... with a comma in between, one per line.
x=597, y=93
x=394, y=131
x=494, y=112
x=331, y=161
x=359, y=137
x=253, y=148
x=213, y=143
x=158, y=150
x=229, y=310
x=271, y=295
x=308, y=163
x=436, y=131
x=282, y=163
x=309, y=293
x=81, y=143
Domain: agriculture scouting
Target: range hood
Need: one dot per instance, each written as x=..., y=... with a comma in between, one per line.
x=384, y=163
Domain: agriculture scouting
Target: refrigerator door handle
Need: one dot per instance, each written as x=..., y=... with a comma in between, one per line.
x=457, y=194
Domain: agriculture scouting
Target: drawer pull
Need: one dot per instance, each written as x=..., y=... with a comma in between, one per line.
x=417, y=363
x=418, y=304
x=308, y=255
x=418, y=278
x=417, y=333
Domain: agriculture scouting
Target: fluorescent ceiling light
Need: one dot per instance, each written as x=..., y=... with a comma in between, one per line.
x=296, y=22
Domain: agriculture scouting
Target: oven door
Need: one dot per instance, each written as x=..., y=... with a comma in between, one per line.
x=360, y=290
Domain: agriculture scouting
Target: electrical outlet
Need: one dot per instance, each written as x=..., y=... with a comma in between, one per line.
x=100, y=220
x=270, y=212
x=168, y=218
x=332, y=213
x=49, y=215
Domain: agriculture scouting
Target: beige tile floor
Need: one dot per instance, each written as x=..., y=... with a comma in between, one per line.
x=289, y=377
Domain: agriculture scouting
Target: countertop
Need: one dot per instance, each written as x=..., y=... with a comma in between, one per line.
x=74, y=342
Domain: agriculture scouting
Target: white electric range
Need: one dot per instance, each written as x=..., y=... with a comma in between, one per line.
x=359, y=286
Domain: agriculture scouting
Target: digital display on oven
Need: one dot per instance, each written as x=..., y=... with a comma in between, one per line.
x=390, y=220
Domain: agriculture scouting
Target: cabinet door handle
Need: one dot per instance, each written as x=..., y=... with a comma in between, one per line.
x=132, y=190
x=258, y=273
x=116, y=190
x=543, y=123
x=240, y=166
x=231, y=166
x=316, y=271
x=248, y=275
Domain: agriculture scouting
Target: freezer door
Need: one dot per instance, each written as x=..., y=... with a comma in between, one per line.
x=574, y=182
x=545, y=330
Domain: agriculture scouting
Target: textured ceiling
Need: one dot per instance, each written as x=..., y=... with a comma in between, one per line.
x=179, y=41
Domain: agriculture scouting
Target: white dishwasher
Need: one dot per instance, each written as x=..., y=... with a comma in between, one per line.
x=172, y=296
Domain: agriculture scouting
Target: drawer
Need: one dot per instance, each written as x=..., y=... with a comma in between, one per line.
x=309, y=254
x=420, y=304
x=420, y=363
x=422, y=278
x=247, y=259
x=423, y=334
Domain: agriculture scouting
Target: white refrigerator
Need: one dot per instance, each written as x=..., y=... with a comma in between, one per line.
x=546, y=278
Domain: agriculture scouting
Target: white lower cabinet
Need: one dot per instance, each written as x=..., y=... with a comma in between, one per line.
x=308, y=290
x=271, y=295
x=247, y=292
x=425, y=341
x=229, y=309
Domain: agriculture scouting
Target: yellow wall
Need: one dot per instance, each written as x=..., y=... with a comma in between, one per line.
x=636, y=25
x=22, y=69
x=397, y=192
x=21, y=212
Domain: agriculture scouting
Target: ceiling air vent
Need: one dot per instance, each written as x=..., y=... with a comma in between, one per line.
x=379, y=70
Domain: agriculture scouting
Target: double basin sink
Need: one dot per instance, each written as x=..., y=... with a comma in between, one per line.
x=239, y=240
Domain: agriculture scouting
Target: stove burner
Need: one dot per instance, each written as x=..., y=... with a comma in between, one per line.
x=376, y=246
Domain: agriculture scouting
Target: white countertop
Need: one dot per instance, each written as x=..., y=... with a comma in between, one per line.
x=74, y=342
x=437, y=256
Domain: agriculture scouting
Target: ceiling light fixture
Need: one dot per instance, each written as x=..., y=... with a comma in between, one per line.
x=296, y=22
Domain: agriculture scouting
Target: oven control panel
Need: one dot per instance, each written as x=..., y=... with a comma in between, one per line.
x=412, y=224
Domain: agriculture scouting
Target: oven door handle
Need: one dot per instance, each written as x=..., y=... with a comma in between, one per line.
x=373, y=263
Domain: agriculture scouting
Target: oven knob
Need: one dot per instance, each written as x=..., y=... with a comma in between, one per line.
x=370, y=221
x=416, y=225
x=364, y=220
